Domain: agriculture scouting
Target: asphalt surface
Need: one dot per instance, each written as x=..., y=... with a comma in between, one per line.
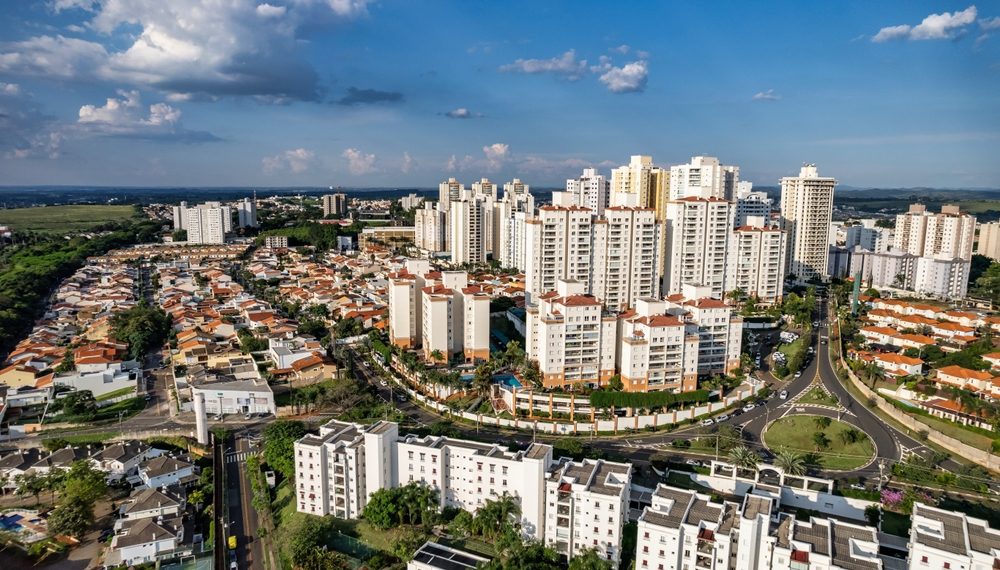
x=241, y=517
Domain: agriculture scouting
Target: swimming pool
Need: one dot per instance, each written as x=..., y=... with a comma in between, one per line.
x=506, y=379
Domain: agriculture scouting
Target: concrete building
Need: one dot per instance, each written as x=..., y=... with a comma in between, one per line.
x=430, y=228
x=330, y=476
x=587, y=505
x=948, y=539
x=638, y=184
x=513, y=239
x=208, y=223
x=719, y=331
x=703, y=177
x=697, y=243
x=468, y=225
x=334, y=204
x=750, y=204
x=590, y=190
x=757, y=260
x=988, y=243
x=868, y=236
x=806, y=210
x=276, y=242
x=406, y=303
x=892, y=269
x=455, y=318
x=557, y=246
x=411, y=201
x=180, y=216
x=625, y=257
x=924, y=234
x=571, y=337
x=656, y=351
x=246, y=213
x=449, y=191
x=942, y=276
x=685, y=529
x=825, y=544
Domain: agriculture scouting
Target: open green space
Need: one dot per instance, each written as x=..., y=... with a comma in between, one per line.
x=817, y=396
x=895, y=523
x=62, y=219
x=955, y=430
x=797, y=433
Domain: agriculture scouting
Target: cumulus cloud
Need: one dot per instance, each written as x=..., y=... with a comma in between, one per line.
x=407, y=163
x=192, y=48
x=462, y=113
x=622, y=49
x=943, y=26
x=455, y=164
x=125, y=116
x=357, y=96
x=358, y=163
x=566, y=66
x=629, y=78
x=295, y=161
x=10, y=88
x=496, y=155
x=768, y=95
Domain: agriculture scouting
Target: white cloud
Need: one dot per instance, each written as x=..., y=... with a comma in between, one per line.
x=296, y=161
x=566, y=66
x=125, y=116
x=629, y=78
x=10, y=88
x=622, y=49
x=359, y=163
x=768, y=95
x=496, y=155
x=456, y=164
x=407, y=164
x=203, y=48
x=462, y=113
x=990, y=24
x=60, y=5
x=943, y=26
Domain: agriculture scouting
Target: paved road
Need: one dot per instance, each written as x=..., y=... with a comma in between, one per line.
x=242, y=518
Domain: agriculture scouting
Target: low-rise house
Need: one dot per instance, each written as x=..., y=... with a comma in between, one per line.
x=15, y=464
x=152, y=503
x=165, y=471
x=123, y=459
x=975, y=380
x=145, y=540
x=64, y=459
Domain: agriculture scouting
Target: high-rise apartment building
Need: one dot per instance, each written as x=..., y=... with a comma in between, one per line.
x=941, y=538
x=557, y=246
x=757, y=260
x=485, y=188
x=750, y=203
x=571, y=337
x=697, y=241
x=334, y=204
x=719, y=330
x=467, y=221
x=208, y=223
x=454, y=319
x=513, y=240
x=430, y=228
x=246, y=213
x=449, y=191
x=656, y=351
x=949, y=233
x=638, y=184
x=406, y=303
x=180, y=214
x=590, y=190
x=806, y=210
x=703, y=177
x=625, y=256
x=988, y=243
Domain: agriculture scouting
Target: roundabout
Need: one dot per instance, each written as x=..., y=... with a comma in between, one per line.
x=837, y=445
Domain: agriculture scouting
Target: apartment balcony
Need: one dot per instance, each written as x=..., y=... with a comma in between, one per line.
x=703, y=562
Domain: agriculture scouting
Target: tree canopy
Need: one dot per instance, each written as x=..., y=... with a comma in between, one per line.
x=279, y=445
x=144, y=327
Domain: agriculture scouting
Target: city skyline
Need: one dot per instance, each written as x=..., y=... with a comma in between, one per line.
x=362, y=94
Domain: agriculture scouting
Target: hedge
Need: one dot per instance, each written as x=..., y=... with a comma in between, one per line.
x=607, y=399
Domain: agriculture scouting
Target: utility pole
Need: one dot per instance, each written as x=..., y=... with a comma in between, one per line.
x=881, y=473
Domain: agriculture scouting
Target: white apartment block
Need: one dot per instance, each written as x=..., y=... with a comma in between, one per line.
x=449, y=191
x=276, y=242
x=590, y=190
x=586, y=506
x=892, y=269
x=988, y=243
x=557, y=246
x=757, y=260
x=697, y=240
x=411, y=201
x=515, y=188
x=208, y=223
x=180, y=215
x=246, y=213
x=625, y=257
x=825, y=544
x=656, y=351
x=685, y=529
x=334, y=204
x=468, y=227
x=513, y=240
x=485, y=188
x=430, y=228
x=922, y=233
x=806, y=210
x=330, y=477
x=942, y=276
x=750, y=204
x=868, y=236
x=571, y=337
x=454, y=318
x=703, y=177
x=638, y=183
x=406, y=303
x=941, y=539
x=720, y=332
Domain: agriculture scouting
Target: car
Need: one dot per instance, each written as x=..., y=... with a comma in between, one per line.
x=783, y=395
x=693, y=462
x=761, y=404
x=147, y=397
x=707, y=422
x=822, y=341
x=383, y=383
x=798, y=374
x=748, y=407
x=232, y=560
x=858, y=486
x=401, y=397
x=722, y=418
x=737, y=412
x=217, y=417
x=247, y=416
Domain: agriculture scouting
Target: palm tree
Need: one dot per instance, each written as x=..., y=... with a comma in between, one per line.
x=820, y=440
x=822, y=422
x=790, y=462
x=495, y=516
x=743, y=457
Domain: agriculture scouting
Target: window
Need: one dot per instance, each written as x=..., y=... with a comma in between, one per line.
x=947, y=565
x=923, y=560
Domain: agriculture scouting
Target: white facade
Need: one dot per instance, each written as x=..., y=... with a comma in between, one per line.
x=638, y=183
x=892, y=269
x=330, y=471
x=719, y=331
x=703, y=177
x=656, y=350
x=208, y=223
x=942, y=276
x=557, y=246
x=757, y=261
x=590, y=190
x=468, y=226
x=625, y=257
x=685, y=529
x=276, y=241
x=236, y=397
x=246, y=213
x=806, y=210
x=750, y=204
x=334, y=205
x=406, y=304
x=180, y=216
x=697, y=241
x=449, y=191
x=988, y=243
x=922, y=233
x=587, y=505
x=950, y=539
x=454, y=318
x=430, y=225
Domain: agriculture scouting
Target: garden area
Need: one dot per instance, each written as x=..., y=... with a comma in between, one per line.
x=836, y=445
x=817, y=396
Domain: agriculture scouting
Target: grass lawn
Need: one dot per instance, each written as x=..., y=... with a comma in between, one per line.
x=796, y=433
x=62, y=219
x=115, y=394
x=817, y=396
x=374, y=538
x=796, y=347
x=969, y=437
x=895, y=523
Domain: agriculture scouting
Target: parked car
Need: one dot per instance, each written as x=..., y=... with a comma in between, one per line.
x=783, y=395
x=383, y=383
x=722, y=418
x=748, y=407
x=858, y=486
x=707, y=422
x=798, y=374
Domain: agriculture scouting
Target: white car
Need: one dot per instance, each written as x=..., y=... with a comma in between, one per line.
x=722, y=418
x=707, y=422
x=383, y=383
x=798, y=374
x=748, y=407
x=783, y=395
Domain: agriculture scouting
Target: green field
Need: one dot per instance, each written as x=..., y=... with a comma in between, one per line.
x=796, y=433
x=61, y=219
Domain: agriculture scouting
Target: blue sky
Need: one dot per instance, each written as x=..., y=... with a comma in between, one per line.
x=359, y=93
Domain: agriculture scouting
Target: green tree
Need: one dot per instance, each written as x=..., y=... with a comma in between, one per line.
x=304, y=538
x=568, y=447
x=615, y=383
x=743, y=457
x=988, y=284
x=790, y=462
x=822, y=422
x=820, y=440
x=79, y=403
x=71, y=517
x=532, y=555
x=179, y=235
x=589, y=560
x=279, y=449
x=143, y=327
x=496, y=515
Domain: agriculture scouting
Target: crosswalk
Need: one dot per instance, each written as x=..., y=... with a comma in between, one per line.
x=237, y=457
